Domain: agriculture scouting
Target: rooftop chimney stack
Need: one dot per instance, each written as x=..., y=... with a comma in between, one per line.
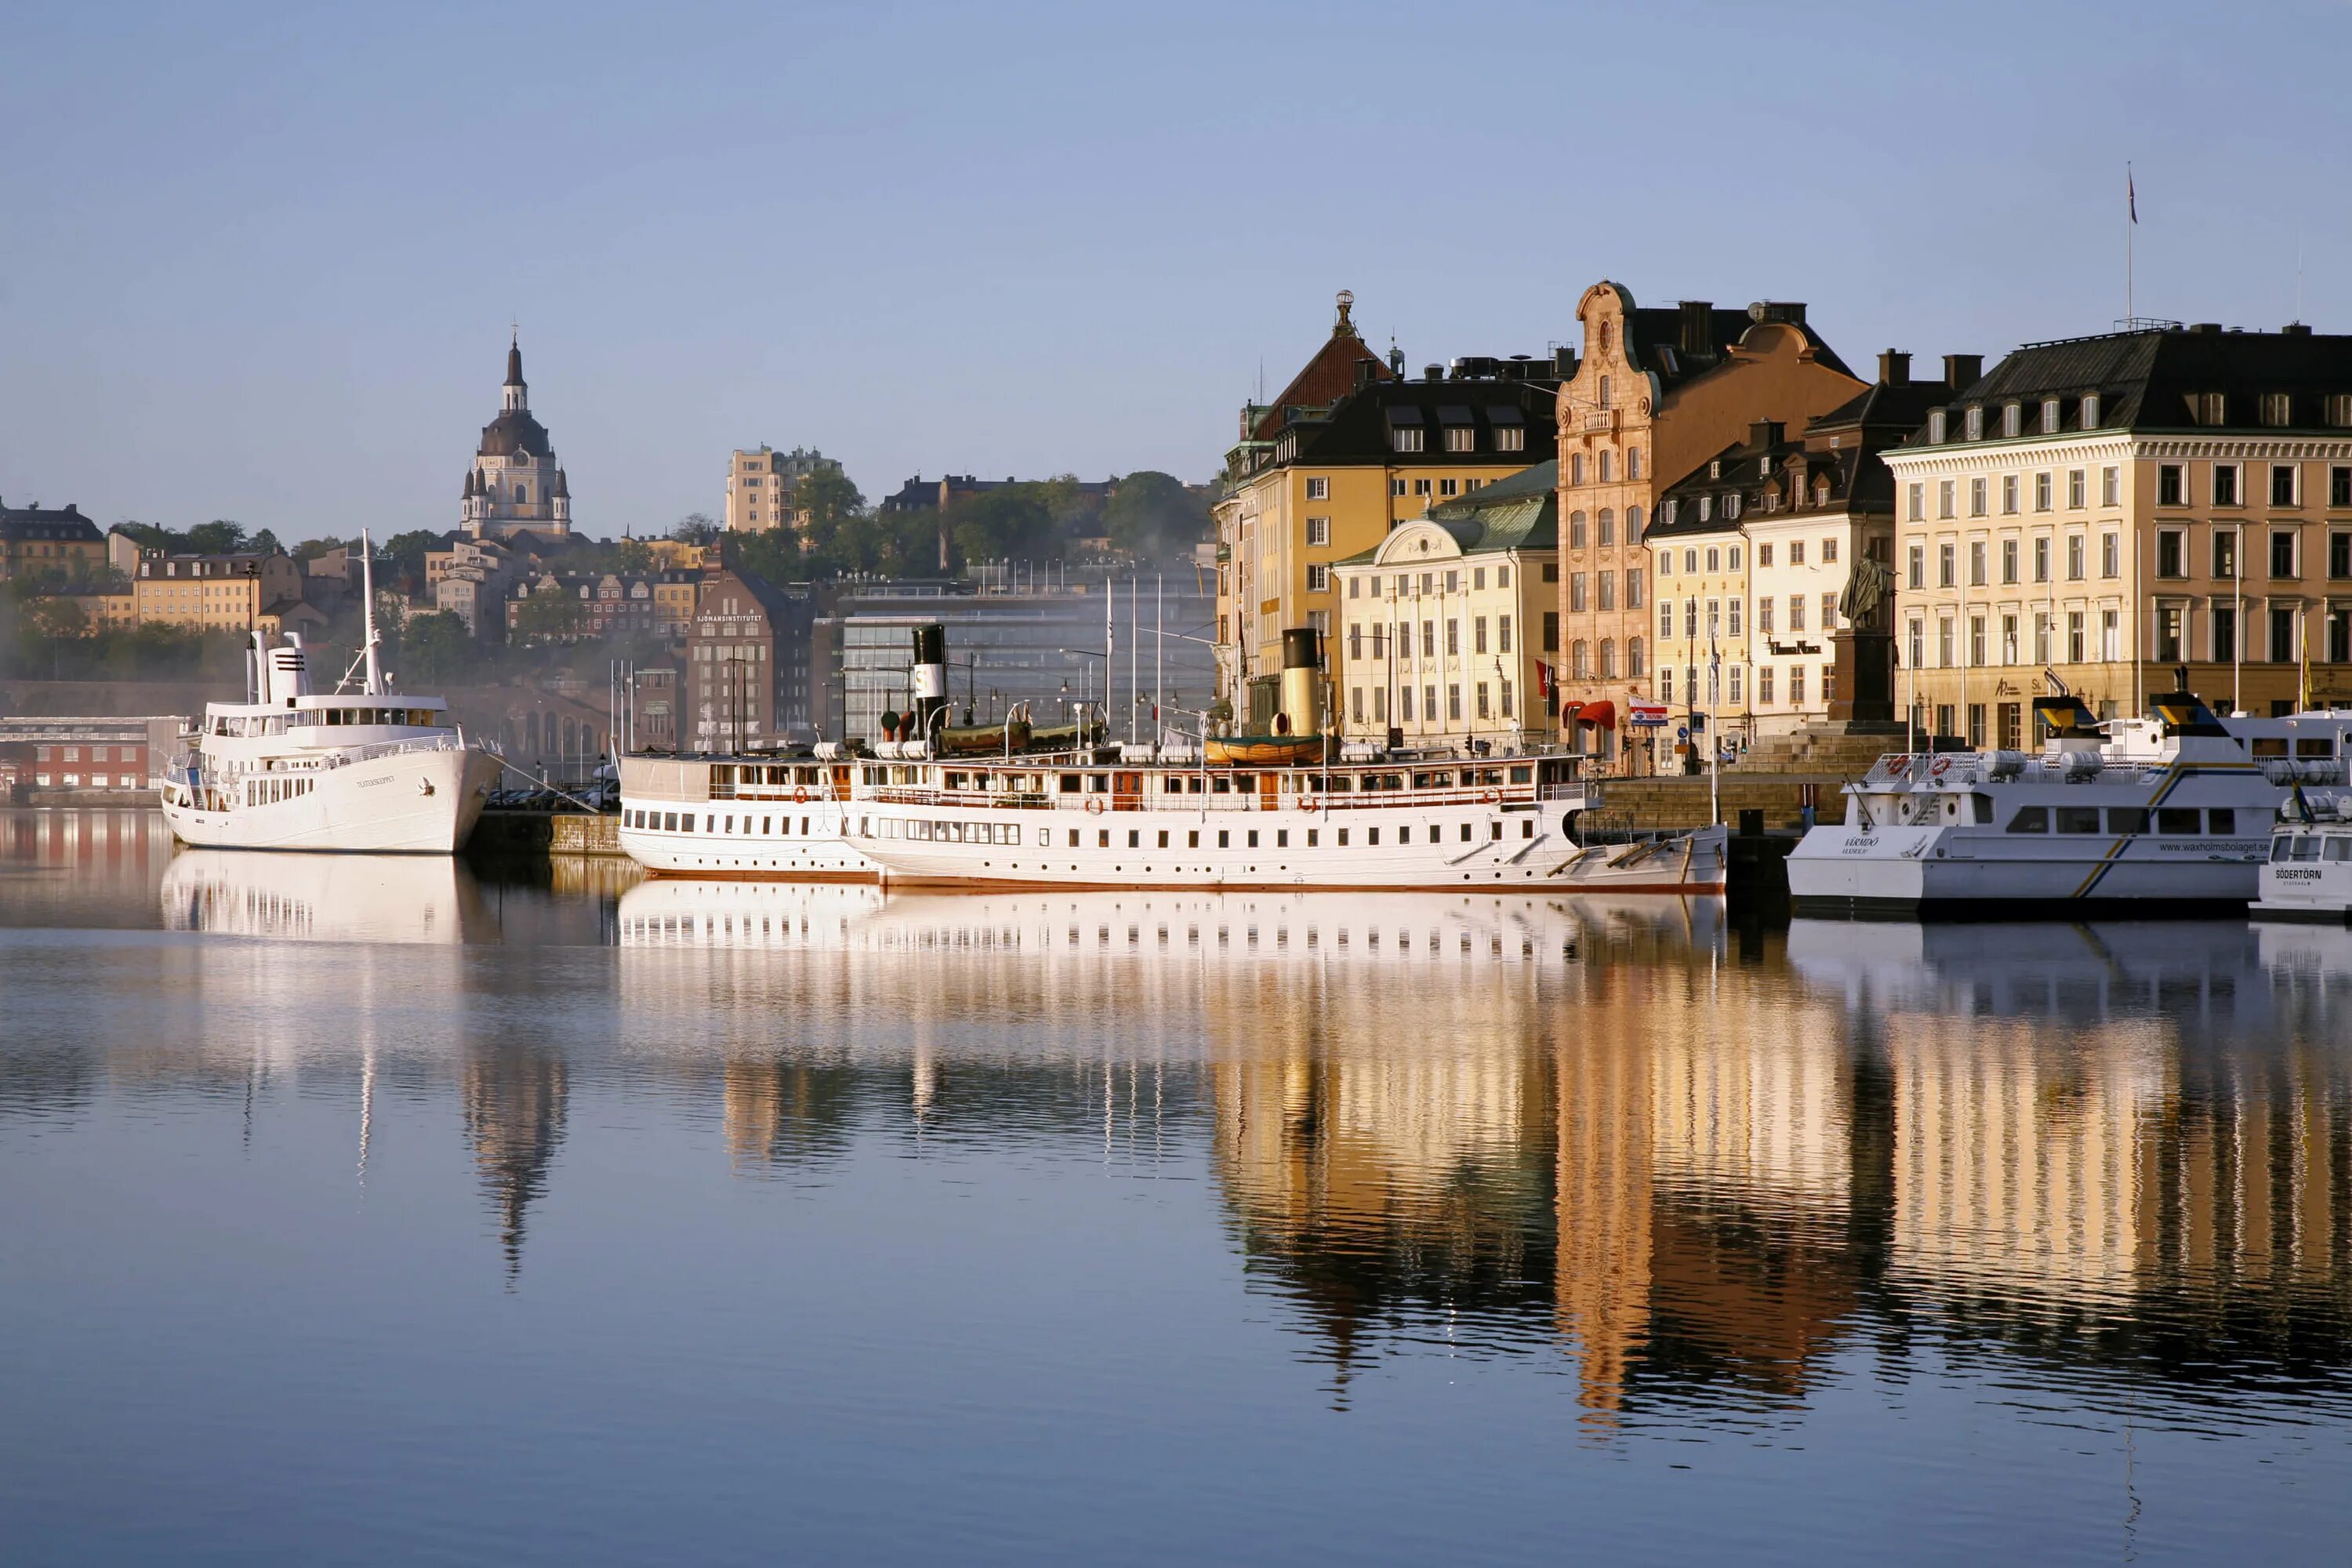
x=1894, y=368
x=1963, y=371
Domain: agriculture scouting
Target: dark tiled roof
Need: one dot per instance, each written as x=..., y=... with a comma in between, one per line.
x=2145, y=380
x=511, y=432
x=1326, y=378
x=65, y=523
x=1357, y=430
x=1655, y=338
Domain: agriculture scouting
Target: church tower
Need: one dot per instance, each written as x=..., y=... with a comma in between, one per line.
x=515, y=484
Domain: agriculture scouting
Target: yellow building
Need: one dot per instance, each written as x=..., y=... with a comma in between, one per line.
x=1349, y=450
x=213, y=593
x=1657, y=392
x=49, y=542
x=1441, y=622
x=2112, y=508
x=761, y=486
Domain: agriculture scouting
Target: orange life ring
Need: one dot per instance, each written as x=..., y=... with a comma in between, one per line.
x=1309, y=804
x=1939, y=767
x=1491, y=798
x=1093, y=805
x=801, y=794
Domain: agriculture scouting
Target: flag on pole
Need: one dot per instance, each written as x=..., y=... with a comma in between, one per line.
x=1543, y=679
x=2131, y=194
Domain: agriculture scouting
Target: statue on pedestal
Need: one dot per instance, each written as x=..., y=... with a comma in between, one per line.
x=1865, y=649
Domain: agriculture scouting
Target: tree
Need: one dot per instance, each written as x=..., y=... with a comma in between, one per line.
x=437, y=649
x=265, y=543
x=1152, y=514
x=218, y=537
x=319, y=548
x=60, y=615
x=147, y=536
x=695, y=528
x=552, y=614
x=632, y=555
x=1013, y=522
x=404, y=554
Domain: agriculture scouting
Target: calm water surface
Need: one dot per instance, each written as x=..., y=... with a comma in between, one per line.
x=365, y=1213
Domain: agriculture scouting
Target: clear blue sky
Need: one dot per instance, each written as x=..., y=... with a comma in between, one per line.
x=259, y=262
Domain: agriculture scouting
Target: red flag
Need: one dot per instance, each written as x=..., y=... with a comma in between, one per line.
x=1543, y=679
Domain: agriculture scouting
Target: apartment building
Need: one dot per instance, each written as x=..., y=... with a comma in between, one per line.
x=761, y=486
x=1349, y=450
x=1657, y=392
x=2104, y=511
x=240, y=592
x=40, y=542
x=1444, y=622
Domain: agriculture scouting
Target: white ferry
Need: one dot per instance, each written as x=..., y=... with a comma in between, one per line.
x=740, y=817
x=2133, y=818
x=2308, y=875
x=291, y=769
x=1274, y=811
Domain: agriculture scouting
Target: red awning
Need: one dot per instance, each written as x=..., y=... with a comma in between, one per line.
x=1568, y=710
x=1601, y=714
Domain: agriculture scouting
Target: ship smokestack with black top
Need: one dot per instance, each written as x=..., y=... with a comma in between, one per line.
x=1302, y=681
x=929, y=679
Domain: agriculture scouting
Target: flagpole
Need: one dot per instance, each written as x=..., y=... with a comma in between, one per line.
x=2131, y=221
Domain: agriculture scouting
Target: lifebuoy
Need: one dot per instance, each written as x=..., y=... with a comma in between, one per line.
x=801, y=794
x=1939, y=767
x=1491, y=798
x=1309, y=804
x=1093, y=805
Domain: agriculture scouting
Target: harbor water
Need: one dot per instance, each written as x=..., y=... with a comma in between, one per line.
x=363, y=1211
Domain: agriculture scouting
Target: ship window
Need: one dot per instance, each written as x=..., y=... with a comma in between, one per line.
x=1221, y=785
x=1192, y=839
x=1372, y=837
x=2078, y=818
x=2321, y=747
x=2306, y=847
x=1343, y=838
x=2176, y=819
x=1070, y=783
x=1404, y=835
x=1135, y=839
x=669, y=822
x=1163, y=838
x=1074, y=839
x=2282, y=849
x=2221, y=819
x=2339, y=848
x=1526, y=828
x=1224, y=839
x=1282, y=838
x=2030, y=819
x=1098, y=784
x=1313, y=838
x=1253, y=837
x=2127, y=819
x=1982, y=808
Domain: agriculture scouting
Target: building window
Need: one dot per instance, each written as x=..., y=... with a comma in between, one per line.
x=1510, y=438
x=2277, y=408
x=1318, y=531
x=2339, y=555
x=2050, y=417
x=2042, y=559
x=1605, y=590
x=2283, y=552
x=1918, y=572
x=1403, y=439
x=1448, y=486
x=1605, y=527
x=2012, y=420
x=1551, y=631
x=1947, y=565
x=1796, y=613
x=1318, y=488
x=2009, y=561
x=2008, y=494
x=1421, y=489
x=2225, y=622
x=1972, y=423
x=1918, y=643
x=1976, y=498
x=2091, y=412
x=1764, y=686
x=1764, y=616
x=2042, y=492
x=1396, y=487
x=2074, y=558
x=1795, y=686
x=1576, y=467
x=1976, y=563
x=2282, y=639
x=1944, y=491
x=1632, y=587
x=1635, y=665
x=1714, y=558
x=1936, y=425
x=2225, y=484
x=2225, y=553
x=1734, y=626
x=1576, y=530
x=2283, y=484
x=1915, y=503
x=1461, y=438
x=2171, y=485
x=2172, y=552
x=1318, y=578
x=2111, y=553
x=1665, y=683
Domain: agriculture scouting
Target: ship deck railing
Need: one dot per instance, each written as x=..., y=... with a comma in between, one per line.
x=1207, y=800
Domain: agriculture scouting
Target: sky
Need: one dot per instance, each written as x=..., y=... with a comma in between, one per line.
x=260, y=262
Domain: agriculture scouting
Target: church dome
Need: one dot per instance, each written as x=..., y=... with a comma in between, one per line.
x=512, y=433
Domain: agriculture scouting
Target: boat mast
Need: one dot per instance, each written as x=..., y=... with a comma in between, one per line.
x=374, y=687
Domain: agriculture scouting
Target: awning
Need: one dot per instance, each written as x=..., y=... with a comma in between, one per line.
x=1568, y=710
x=1601, y=714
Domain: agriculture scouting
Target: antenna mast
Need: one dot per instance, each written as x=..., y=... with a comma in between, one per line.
x=374, y=687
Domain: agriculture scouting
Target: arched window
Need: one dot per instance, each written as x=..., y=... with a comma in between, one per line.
x=1634, y=658
x=1632, y=525
x=1604, y=392
x=1608, y=659
x=1576, y=666
x=1576, y=530
x=1606, y=465
x=1608, y=526
x=522, y=493
x=1576, y=467
x=1633, y=462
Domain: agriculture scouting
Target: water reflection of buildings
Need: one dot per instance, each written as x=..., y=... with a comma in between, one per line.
x=2050, y=1138
x=513, y=1099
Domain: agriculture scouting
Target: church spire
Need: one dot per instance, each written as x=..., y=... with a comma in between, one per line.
x=518, y=394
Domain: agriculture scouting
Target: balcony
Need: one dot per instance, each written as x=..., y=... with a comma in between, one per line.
x=1600, y=420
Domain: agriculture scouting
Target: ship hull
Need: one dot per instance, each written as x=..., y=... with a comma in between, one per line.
x=422, y=802
x=789, y=841
x=1937, y=874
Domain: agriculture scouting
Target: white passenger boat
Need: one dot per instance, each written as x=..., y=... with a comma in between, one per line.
x=369, y=770
x=2130, y=818
x=763, y=816
x=1263, y=812
x=2308, y=875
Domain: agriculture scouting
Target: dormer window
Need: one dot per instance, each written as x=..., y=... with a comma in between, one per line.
x=2091, y=411
x=1974, y=420
x=1936, y=425
x=1731, y=505
x=1820, y=492
x=2050, y=417
x=2209, y=407
x=1715, y=468
x=2012, y=419
x=1706, y=508
x=2277, y=409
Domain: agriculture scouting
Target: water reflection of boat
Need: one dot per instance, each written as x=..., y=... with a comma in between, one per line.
x=328, y=898
x=1321, y=928
x=2081, y=973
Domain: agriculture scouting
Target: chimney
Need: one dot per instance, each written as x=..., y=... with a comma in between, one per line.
x=1765, y=432
x=2206, y=326
x=1364, y=372
x=2297, y=329
x=1894, y=368
x=1433, y=373
x=1790, y=311
x=1563, y=362
x=1697, y=319
x=1961, y=371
